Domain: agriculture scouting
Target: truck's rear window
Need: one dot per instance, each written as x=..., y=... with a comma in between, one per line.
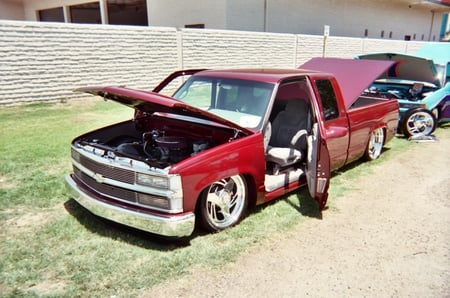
x=328, y=99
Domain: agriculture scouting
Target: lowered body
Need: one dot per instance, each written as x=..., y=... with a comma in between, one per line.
x=224, y=141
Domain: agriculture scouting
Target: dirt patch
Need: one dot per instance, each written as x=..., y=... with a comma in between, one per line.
x=48, y=287
x=6, y=183
x=388, y=237
x=29, y=219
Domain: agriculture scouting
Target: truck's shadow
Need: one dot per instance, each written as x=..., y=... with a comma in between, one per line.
x=110, y=229
x=307, y=206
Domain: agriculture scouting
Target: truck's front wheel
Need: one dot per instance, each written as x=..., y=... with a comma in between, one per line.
x=223, y=203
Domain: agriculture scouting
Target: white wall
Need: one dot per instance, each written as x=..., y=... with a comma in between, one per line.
x=11, y=10
x=351, y=18
x=46, y=61
x=346, y=18
x=246, y=15
x=176, y=13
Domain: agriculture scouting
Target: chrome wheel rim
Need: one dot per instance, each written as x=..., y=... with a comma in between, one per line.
x=376, y=143
x=225, y=201
x=420, y=123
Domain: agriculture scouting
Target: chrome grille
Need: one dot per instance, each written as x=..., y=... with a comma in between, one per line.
x=105, y=189
x=114, y=192
x=106, y=171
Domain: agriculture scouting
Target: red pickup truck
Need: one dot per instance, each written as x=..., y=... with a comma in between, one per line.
x=227, y=140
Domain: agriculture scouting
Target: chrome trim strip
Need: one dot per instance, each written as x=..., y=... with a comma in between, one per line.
x=173, y=226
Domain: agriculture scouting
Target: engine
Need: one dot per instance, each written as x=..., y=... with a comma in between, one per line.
x=155, y=146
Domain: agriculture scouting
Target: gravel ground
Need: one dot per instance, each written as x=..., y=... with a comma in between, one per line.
x=388, y=238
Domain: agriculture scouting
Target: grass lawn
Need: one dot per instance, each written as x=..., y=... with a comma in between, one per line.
x=50, y=246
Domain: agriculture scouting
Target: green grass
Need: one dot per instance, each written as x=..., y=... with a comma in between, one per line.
x=50, y=246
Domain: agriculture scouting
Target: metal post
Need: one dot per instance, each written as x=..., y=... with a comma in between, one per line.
x=265, y=16
x=104, y=12
x=431, y=25
x=326, y=33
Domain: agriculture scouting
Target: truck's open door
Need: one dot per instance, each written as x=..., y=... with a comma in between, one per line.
x=318, y=167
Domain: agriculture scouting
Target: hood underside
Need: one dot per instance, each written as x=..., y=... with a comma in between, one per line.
x=407, y=67
x=353, y=76
x=151, y=102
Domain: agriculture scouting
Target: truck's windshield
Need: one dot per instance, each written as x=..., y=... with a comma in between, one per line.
x=240, y=101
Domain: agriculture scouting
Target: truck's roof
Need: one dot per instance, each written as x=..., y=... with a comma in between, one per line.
x=267, y=75
x=352, y=75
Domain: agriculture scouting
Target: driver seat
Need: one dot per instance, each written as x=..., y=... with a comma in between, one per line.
x=288, y=141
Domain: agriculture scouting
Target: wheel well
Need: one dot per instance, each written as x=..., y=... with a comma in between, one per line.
x=251, y=190
x=384, y=133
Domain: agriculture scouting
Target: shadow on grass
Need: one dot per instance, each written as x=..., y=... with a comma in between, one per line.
x=445, y=125
x=346, y=168
x=307, y=206
x=355, y=164
x=111, y=229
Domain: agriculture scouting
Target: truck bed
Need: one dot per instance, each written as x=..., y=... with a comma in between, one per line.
x=366, y=100
x=364, y=116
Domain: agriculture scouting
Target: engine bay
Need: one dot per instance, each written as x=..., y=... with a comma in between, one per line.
x=158, y=144
x=412, y=91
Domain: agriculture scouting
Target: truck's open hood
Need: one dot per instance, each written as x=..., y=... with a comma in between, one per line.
x=151, y=102
x=353, y=76
x=407, y=67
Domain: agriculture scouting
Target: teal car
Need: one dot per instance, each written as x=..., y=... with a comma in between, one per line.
x=421, y=89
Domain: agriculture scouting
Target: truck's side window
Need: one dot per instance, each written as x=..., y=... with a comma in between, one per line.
x=328, y=99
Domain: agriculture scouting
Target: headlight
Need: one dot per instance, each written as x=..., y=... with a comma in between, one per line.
x=152, y=181
x=168, y=197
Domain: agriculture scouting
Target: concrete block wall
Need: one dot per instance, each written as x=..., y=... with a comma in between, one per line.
x=222, y=49
x=46, y=61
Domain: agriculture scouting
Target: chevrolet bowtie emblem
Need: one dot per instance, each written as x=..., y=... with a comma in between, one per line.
x=99, y=178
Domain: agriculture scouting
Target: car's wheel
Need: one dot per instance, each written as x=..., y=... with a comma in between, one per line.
x=223, y=203
x=375, y=145
x=418, y=122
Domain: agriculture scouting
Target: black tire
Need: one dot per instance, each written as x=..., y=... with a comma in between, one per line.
x=223, y=204
x=375, y=144
x=436, y=113
x=418, y=122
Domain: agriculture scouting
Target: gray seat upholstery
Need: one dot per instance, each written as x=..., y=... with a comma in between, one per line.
x=288, y=141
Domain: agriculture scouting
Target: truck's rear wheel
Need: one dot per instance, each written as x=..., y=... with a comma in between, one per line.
x=223, y=204
x=375, y=145
x=418, y=122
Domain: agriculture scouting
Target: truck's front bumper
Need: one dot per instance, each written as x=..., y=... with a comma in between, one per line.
x=171, y=226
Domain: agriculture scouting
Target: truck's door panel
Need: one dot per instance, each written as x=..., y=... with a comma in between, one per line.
x=318, y=171
x=335, y=122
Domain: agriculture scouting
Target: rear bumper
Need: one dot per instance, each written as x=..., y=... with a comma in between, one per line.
x=171, y=226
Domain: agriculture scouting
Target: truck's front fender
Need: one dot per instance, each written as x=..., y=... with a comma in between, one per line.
x=244, y=156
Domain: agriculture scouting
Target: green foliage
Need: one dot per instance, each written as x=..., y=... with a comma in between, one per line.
x=50, y=246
